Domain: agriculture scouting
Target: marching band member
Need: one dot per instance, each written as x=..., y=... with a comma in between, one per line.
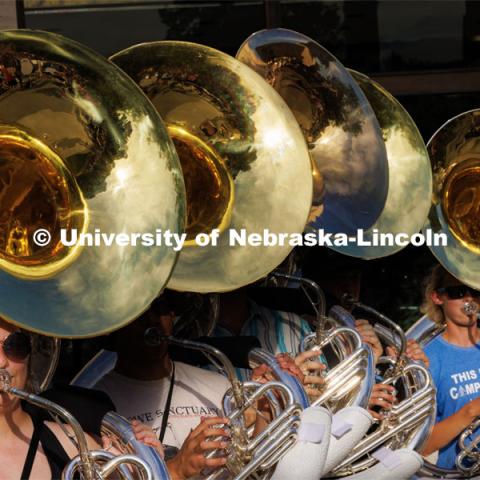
x=30, y=446
x=454, y=362
x=182, y=403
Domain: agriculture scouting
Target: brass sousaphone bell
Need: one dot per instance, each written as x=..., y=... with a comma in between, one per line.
x=364, y=146
x=344, y=140
x=455, y=211
x=81, y=156
x=80, y=148
x=244, y=159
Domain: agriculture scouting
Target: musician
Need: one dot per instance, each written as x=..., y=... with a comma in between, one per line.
x=339, y=275
x=454, y=359
x=182, y=403
x=30, y=446
x=146, y=383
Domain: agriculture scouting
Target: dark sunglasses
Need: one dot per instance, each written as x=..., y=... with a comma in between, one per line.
x=17, y=346
x=458, y=291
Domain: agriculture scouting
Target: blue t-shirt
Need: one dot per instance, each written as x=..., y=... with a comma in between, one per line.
x=456, y=374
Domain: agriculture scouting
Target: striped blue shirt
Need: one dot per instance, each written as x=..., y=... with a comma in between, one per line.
x=278, y=332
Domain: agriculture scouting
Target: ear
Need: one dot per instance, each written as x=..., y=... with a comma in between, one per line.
x=436, y=298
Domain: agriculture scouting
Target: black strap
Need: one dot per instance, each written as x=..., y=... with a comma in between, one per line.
x=32, y=450
x=166, y=411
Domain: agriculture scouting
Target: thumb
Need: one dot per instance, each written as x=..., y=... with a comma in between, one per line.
x=106, y=442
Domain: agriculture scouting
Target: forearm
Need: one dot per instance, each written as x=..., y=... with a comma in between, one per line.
x=447, y=430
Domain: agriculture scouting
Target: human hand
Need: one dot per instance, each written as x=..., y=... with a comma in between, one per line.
x=289, y=365
x=110, y=445
x=367, y=332
x=415, y=352
x=381, y=396
x=191, y=459
x=312, y=371
x=147, y=436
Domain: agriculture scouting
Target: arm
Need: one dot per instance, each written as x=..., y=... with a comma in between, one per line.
x=450, y=428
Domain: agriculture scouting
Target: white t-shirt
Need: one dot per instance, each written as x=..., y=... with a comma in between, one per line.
x=196, y=393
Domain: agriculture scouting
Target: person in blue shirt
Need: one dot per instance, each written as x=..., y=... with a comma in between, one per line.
x=454, y=362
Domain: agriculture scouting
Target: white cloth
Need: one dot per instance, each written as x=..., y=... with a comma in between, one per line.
x=341, y=445
x=196, y=393
x=305, y=460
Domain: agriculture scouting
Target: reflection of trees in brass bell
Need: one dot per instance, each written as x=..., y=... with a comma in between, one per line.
x=391, y=118
x=178, y=94
x=316, y=101
x=41, y=93
x=36, y=192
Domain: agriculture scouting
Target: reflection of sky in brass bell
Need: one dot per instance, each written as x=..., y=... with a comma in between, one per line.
x=410, y=183
x=403, y=162
x=154, y=201
x=341, y=129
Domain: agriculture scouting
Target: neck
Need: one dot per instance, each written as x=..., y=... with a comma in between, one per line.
x=15, y=423
x=234, y=311
x=462, y=336
x=144, y=367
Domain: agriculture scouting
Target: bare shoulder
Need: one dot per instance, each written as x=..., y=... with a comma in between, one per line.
x=65, y=435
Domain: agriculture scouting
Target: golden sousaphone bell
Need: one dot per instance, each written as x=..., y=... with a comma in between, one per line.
x=80, y=148
x=243, y=156
x=455, y=211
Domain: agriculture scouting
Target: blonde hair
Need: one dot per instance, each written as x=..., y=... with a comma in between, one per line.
x=439, y=277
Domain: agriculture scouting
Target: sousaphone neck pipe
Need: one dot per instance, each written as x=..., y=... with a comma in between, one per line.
x=154, y=336
x=56, y=411
x=318, y=303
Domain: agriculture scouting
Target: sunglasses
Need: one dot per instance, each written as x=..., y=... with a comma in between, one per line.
x=458, y=291
x=17, y=346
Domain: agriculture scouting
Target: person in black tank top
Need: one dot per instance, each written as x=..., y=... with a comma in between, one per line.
x=33, y=446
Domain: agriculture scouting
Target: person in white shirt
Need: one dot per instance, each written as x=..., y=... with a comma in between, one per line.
x=180, y=402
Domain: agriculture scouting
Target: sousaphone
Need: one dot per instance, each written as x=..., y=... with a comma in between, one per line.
x=344, y=139
x=455, y=211
x=364, y=146
x=81, y=149
x=245, y=162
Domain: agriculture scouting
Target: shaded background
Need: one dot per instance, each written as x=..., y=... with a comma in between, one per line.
x=426, y=53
